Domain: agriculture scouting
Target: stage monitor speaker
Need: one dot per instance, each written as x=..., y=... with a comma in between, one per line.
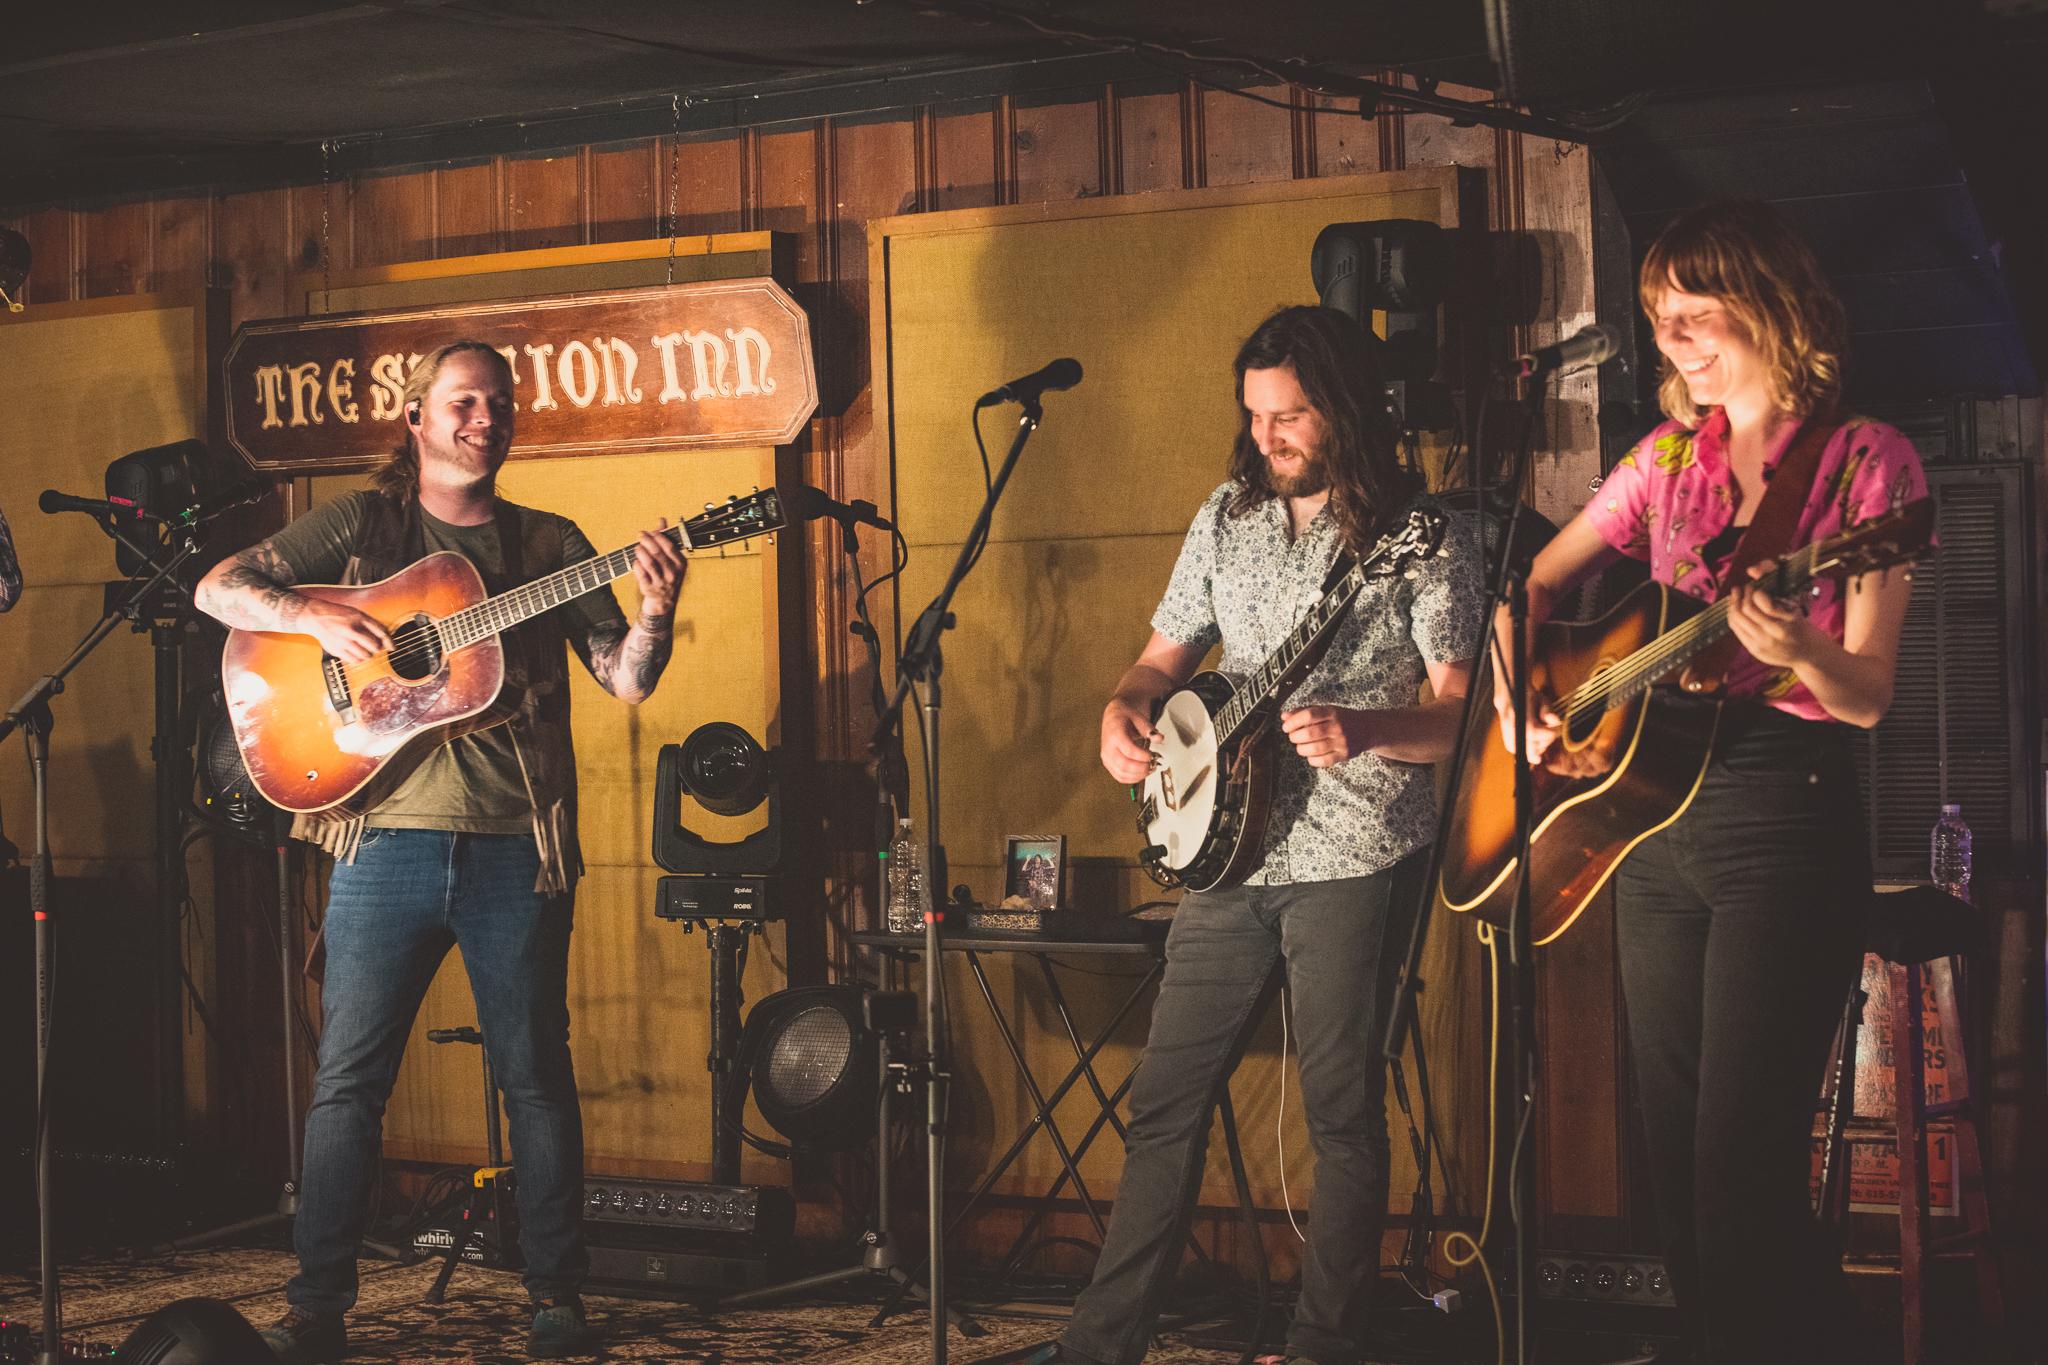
x=194, y=1332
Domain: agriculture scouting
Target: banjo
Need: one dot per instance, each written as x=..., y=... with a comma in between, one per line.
x=1202, y=809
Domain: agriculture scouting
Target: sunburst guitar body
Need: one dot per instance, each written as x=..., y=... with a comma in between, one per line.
x=320, y=736
x=1631, y=753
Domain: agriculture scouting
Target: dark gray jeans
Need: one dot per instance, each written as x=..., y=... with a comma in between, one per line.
x=1341, y=943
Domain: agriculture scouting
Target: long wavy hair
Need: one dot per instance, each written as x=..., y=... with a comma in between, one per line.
x=1340, y=373
x=398, y=478
x=1741, y=253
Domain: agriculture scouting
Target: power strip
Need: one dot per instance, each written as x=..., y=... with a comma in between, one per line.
x=1600, y=1277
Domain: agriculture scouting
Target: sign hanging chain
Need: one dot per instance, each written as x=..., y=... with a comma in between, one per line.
x=675, y=161
x=326, y=235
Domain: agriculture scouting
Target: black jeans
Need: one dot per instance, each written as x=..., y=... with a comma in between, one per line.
x=1741, y=932
x=1341, y=944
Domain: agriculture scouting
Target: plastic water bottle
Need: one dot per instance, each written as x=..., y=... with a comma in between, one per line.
x=903, y=910
x=1950, y=853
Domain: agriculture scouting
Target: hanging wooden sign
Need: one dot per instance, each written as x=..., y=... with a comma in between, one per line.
x=725, y=363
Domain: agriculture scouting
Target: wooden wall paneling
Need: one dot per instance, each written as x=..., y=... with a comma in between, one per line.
x=626, y=194
x=1194, y=150
x=1058, y=150
x=786, y=198
x=710, y=184
x=544, y=201
x=53, y=274
x=181, y=245
x=1392, y=125
x=872, y=171
x=391, y=218
x=1345, y=143
x=118, y=249
x=1432, y=140
x=468, y=210
x=1581, y=1189
x=1557, y=195
x=253, y=253
x=963, y=165
x=321, y=221
x=1150, y=137
x=1247, y=142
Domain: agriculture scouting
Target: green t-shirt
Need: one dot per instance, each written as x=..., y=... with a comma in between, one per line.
x=473, y=783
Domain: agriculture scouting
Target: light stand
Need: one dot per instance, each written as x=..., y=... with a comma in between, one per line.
x=890, y=1015
x=287, y=968
x=924, y=661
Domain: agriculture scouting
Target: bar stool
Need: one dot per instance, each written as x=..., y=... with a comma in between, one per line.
x=1911, y=931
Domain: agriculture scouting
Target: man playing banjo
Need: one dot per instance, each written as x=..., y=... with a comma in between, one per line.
x=1329, y=906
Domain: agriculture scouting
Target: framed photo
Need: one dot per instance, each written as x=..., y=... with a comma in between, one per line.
x=1034, y=871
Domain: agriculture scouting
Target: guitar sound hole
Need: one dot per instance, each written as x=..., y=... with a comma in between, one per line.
x=415, y=649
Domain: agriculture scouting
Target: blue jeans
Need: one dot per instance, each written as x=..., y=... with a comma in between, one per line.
x=1340, y=944
x=392, y=916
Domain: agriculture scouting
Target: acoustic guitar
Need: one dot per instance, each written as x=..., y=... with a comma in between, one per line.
x=1203, y=807
x=1613, y=681
x=321, y=736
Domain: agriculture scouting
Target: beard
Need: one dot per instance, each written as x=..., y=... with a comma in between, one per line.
x=1312, y=478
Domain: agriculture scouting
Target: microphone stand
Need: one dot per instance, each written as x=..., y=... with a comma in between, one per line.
x=924, y=660
x=1507, y=584
x=32, y=715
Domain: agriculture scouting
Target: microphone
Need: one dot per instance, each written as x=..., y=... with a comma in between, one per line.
x=53, y=501
x=1590, y=347
x=248, y=490
x=809, y=504
x=1061, y=374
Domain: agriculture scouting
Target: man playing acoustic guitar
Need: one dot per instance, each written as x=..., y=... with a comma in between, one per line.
x=1328, y=908
x=1740, y=922
x=477, y=848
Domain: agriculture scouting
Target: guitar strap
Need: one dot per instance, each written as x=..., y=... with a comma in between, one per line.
x=1770, y=534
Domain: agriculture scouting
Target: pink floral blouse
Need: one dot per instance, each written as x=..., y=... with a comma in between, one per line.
x=1672, y=495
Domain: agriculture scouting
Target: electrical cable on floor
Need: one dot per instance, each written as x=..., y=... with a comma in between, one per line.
x=1478, y=1253
x=1280, y=1121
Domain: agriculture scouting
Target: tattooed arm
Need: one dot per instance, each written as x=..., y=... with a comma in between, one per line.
x=628, y=662
x=253, y=591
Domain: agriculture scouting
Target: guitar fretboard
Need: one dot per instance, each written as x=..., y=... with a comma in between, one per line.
x=501, y=613
x=1669, y=651
x=1285, y=666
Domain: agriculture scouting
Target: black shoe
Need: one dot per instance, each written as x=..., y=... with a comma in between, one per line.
x=559, y=1330
x=299, y=1339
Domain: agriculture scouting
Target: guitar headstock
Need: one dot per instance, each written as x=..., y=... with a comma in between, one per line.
x=736, y=518
x=1418, y=536
x=1898, y=537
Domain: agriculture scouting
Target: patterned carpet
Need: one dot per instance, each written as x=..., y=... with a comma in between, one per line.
x=485, y=1317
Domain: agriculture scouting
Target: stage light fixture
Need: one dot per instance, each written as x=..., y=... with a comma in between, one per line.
x=810, y=1056
x=1396, y=266
x=725, y=771
x=164, y=481
x=194, y=1332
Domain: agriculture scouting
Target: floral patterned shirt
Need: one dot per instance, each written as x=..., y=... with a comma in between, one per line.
x=1243, y=582
x=1674, y=493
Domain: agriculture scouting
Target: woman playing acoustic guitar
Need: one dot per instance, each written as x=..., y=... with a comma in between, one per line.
x=1740, y=924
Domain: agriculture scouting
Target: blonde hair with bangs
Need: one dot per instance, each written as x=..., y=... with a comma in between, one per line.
x=1741, y=253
